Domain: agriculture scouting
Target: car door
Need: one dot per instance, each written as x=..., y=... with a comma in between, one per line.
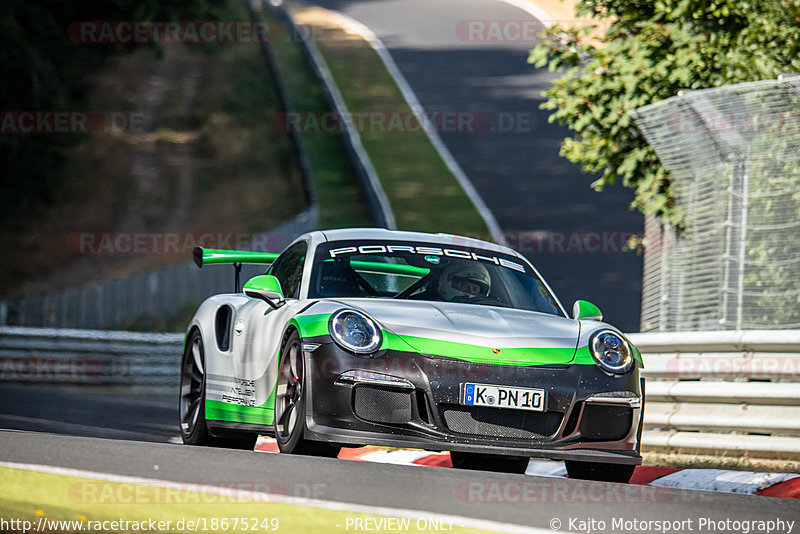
x=257, y=332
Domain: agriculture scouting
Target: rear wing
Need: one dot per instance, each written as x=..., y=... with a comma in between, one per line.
x=212, y=256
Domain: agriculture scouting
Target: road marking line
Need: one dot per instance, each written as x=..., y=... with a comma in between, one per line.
x=461, y=521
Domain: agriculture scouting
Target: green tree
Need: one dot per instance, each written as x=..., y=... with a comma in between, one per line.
x=650, y=51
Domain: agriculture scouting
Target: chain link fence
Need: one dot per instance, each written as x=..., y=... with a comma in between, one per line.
x=734, y=156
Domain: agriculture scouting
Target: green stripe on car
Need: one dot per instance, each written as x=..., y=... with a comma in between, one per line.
x=236, y=413
x=489, y=355
x=312, y=325
x=317, y=325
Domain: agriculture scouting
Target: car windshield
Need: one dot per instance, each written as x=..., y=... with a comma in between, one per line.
x=425, y=271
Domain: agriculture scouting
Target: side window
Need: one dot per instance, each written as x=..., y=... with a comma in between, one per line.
x=288, y=269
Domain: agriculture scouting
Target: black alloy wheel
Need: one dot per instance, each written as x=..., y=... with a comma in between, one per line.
x=290, y=404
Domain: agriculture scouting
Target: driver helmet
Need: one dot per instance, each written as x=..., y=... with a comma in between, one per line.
x=464, y=280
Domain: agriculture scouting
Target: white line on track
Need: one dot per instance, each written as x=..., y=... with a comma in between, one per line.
x=461, y=521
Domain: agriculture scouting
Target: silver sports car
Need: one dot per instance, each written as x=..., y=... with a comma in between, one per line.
x=374, y=337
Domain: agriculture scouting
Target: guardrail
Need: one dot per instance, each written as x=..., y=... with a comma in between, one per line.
x=735, y=393
x=139, y=362
x=726, y=392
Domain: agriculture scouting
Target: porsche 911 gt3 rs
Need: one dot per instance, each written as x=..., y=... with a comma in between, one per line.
x=375, y=337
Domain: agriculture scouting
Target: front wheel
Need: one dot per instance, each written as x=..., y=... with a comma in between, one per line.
x=290, y=404
x=488, y=462
x=597, y=471
x=192, y=402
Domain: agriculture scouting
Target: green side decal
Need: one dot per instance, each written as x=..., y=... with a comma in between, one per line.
x=637, y=355
x=257, y=415
x=583, y=356
x=312, y=325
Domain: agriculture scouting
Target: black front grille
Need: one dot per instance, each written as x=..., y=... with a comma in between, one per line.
x=606, y=422
x=382, y=405
x=500, y=423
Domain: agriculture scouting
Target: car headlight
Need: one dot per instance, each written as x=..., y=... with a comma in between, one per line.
x=355, y=332
x=611, y=351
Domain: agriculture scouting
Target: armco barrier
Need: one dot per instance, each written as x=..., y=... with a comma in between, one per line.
x=138, y=362
x=728, y=392
x=735, y=393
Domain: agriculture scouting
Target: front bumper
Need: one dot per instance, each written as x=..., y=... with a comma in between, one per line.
x=421, y=407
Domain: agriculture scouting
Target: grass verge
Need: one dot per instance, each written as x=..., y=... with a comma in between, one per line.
x=341, y=201
x=424, y=195
x=34, y=497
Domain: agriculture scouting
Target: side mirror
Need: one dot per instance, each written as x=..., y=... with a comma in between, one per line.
x=583, y=309
x=267, y=288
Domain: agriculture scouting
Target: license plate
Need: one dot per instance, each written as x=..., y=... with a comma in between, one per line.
x=503, y=397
